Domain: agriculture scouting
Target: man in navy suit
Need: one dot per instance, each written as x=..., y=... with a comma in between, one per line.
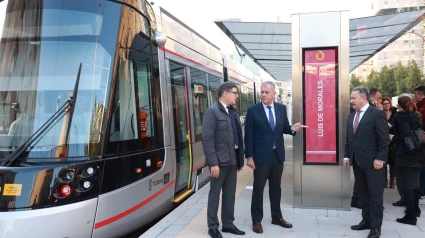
x=266, y=122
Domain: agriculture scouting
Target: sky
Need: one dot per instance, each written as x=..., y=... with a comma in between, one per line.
x=201, y=14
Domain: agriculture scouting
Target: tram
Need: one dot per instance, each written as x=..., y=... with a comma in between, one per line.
x=101, y=106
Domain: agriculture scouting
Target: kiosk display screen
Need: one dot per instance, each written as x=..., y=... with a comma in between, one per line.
x=320, y=72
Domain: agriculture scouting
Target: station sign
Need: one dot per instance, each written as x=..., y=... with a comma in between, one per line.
x=320, y=71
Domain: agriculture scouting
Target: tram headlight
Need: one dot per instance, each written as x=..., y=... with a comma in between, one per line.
x=89, y=171
x=69, y=175
x=87, y=184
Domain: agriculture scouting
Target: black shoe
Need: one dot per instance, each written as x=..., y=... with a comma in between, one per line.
x=234, y=230
x=363, y=225
x=408, y=220
x=418, y=213
x=214, y=233
x=399, y=204
x=374, y=233
x=356, y=204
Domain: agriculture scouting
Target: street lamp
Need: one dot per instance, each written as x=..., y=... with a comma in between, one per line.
x=411, y=32
x=384, y=61
x=381, y=67
x=423, y=42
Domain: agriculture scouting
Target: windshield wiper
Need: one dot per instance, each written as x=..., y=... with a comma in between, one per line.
x=68, y=106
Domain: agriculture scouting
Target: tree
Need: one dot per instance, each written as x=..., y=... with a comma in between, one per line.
x=387, y=83
x=354, y=82
x=414, y=76
x=400, y=75
x=373, y=80
x=396, y=79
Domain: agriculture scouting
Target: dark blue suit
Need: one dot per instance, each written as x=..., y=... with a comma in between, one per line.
x=259, y=136
x=259, y=140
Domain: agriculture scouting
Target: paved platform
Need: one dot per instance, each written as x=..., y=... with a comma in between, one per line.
x=190, y=218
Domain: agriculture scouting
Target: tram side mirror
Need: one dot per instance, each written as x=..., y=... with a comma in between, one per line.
x=159, y=39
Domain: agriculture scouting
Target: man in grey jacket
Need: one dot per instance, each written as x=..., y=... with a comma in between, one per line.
x=223, y=147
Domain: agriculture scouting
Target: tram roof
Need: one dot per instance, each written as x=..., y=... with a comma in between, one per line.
x=269, y=43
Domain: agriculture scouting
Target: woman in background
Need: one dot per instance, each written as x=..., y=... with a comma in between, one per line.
x=390, y=111
x=408, y=165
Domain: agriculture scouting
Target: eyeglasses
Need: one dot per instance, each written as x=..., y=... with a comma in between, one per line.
x=236, y=93
x=386, y=103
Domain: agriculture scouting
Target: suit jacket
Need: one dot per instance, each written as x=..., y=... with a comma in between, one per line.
x=218, y=140
x=259, y=136
x=240, y=151
x=371, y=140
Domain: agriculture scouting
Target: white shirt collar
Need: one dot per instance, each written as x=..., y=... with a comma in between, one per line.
x=265, y=106
x=224, y=105
x=365, y=107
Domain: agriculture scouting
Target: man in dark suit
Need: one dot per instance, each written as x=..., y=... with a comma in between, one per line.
x=355, y=202
x=265, y=125
x=223, y=147
x=367, y=149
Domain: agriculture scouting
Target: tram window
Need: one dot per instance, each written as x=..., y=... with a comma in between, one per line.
x=124, y=119
x=43, y=46
x=133, y=113
x=146, y=112
x=238, y=102
x=213, y=85
x=178, y=82
x=251, y=97
x=200, y=99
x=243, y=98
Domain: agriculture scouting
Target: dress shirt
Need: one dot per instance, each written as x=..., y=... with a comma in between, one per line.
x=363, y=110
x=266, y=110
x=225, y=106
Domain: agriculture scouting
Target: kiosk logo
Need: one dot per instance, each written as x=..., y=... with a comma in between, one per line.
x=320, y=55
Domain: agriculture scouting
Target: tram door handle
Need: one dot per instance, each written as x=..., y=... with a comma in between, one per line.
x=188, y=136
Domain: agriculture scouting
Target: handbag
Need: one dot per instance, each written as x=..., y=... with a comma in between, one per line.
x=415, y=141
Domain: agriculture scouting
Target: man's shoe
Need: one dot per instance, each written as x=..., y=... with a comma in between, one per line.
x=399, y=204
x=408, y=220
x=418, y=213
x=214, y=233
x=374, y=233
x=363, y=225
x=234, y=230
x=281, y=223
x=257, y=227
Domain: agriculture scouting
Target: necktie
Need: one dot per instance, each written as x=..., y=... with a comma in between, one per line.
x=271, y=119
x=235, y=132
x=356, y=122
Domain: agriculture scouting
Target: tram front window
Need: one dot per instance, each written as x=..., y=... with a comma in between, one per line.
x=42, y=44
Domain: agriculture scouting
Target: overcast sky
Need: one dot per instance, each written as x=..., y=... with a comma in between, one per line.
x=201, y=14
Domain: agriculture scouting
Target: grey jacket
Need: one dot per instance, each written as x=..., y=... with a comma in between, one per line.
x=217, y=137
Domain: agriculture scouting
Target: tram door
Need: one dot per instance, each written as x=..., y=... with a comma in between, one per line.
x=180, y=101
